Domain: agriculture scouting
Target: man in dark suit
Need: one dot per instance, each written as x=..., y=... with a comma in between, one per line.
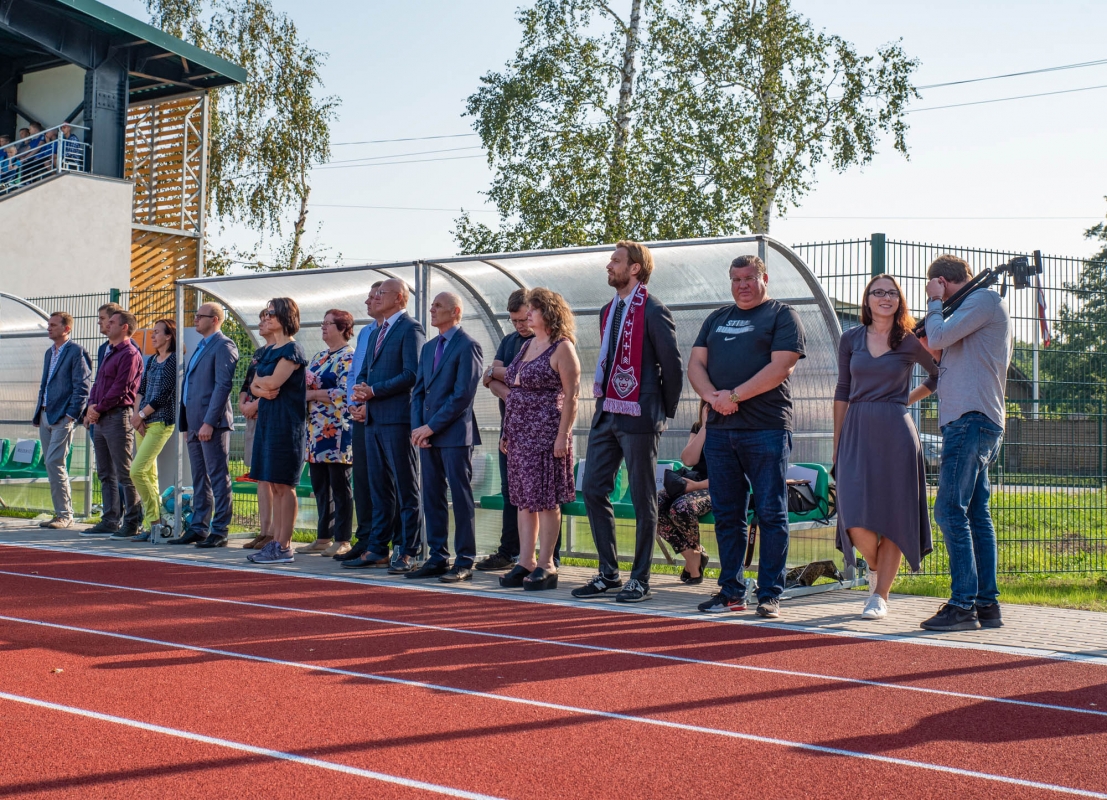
x=637, y=385
x=206, y=420
x=384, y=384
x=444, y=428
x=62, y=396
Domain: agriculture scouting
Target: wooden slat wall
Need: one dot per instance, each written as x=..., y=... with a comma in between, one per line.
x=164, y=158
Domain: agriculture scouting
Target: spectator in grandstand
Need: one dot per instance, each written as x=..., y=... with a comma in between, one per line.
x=207, y=420
x=508, y=552
x=248, y=406
x=5, y=140
x=444, y=428
x=684, y=500
x=543, y=379
x=976, y=346
x=110, y=409
x=329, y=442
x=62, y=395
x=878, y=458
x=157, y=410
x=72, y=154
x=35, y=152
x=741, y=363
x=21, y=138
x=50, y=148
x=10, y=167
x=279, y=442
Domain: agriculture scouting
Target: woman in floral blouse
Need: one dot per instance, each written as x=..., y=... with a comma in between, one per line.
x=329, y=444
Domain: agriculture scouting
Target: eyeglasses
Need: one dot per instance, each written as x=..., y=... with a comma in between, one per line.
x=267, y=314
x=204, y=316
x=326, y=322
x=883, y=293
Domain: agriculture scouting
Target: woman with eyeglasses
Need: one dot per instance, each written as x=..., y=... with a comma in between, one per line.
x=278, y=458
x=878, y=460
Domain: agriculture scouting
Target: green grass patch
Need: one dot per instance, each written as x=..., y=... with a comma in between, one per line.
x=1082, y=590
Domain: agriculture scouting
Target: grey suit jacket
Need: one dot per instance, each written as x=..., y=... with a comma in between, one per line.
x=443, y=398
x=210, y=377
x=69, y=386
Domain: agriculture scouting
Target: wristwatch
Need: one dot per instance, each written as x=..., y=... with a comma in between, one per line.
x=734, y=398
x=142, y=414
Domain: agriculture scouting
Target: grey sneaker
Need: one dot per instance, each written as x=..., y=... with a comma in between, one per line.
x=272, y=554
x=99, y=529
x=769, y=607
x=597, y=587
x=58, y=523
x=634, y=592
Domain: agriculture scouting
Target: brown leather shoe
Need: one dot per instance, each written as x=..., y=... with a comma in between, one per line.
x=257, y=542
x=336, y=549
x=318, y=546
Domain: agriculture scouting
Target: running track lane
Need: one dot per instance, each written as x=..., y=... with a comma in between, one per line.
x=539, y=671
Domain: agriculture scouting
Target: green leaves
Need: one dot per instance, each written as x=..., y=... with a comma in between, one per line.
x=683, y=119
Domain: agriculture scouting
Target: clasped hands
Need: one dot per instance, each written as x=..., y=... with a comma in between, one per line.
x=420, y=437
x=721, y=402
x=363, y=392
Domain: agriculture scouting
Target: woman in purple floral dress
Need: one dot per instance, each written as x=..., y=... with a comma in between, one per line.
x=543, y=381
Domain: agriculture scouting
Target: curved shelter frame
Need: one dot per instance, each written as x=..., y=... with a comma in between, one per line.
x=22, y=343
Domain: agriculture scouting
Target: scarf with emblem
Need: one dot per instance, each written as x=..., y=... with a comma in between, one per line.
x=625, y=382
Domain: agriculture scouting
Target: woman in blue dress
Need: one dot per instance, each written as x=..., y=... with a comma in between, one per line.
x=278, y=458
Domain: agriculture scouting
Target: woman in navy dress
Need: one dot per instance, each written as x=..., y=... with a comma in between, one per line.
x=279, y=439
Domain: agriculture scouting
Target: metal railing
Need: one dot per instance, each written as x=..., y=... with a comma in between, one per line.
x=32, y=159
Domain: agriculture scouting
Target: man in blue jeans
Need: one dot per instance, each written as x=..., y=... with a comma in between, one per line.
x=741, y=363
x=975, y=344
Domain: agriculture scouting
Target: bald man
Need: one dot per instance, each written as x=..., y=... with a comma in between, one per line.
x=384, y=385
x=206, y=421
x=444, y=429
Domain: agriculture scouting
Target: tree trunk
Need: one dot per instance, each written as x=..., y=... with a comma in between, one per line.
x=298, y=230
x=772, y=69
x=617, y=178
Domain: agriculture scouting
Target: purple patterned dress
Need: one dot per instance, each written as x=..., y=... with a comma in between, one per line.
x=537, y=481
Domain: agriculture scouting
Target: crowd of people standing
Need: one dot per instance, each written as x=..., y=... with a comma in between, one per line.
x=387, y=428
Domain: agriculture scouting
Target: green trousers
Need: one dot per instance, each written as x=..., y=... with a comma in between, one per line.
x=144, y=468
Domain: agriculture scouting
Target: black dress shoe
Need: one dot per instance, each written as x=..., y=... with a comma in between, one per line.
x=429, y=570
x=456, y=575
x=188, y=538
x=514, y=579
x=401, y=566
x=350, y=555
x=215, y=540
x=366, y=561
x=495, y=562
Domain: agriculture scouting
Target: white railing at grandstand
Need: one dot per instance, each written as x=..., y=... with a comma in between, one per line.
x=29, y=160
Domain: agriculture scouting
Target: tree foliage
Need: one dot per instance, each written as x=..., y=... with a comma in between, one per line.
x=679, y=119
x=1081, y=330
x=266, y=135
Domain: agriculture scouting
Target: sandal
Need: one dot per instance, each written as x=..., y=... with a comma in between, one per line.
x=514, y=579
x=540, y=580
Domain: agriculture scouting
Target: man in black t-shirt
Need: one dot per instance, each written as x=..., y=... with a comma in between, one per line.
x=508, y=553
x=740, y=365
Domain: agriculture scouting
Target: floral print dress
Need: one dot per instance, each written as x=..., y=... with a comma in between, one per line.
x=329, y=439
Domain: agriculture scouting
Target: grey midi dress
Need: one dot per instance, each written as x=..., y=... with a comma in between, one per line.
x=881, y=480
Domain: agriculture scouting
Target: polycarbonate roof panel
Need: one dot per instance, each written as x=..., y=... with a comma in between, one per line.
x=22, y=344
x=17, y=316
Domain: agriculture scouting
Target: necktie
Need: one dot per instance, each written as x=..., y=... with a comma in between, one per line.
x=380, y=339
x=191, y=364
x=613, y=340
x=438, y=353
x=50, y=374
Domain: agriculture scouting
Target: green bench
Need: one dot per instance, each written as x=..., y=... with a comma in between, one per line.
x=303, y=488
x=576, y=508
x=12, y=469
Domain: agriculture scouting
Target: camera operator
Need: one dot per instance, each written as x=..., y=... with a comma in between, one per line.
x=975, y=341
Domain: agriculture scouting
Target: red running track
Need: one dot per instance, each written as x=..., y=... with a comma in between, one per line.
x=205, y=682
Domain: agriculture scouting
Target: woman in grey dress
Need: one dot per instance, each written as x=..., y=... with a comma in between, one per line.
x=878, y=458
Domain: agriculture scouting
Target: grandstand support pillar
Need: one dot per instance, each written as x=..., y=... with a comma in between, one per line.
x=106, y=93
x=177, y=516
x=9, y=94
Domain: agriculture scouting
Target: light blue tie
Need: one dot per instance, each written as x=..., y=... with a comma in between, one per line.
x=196, y=355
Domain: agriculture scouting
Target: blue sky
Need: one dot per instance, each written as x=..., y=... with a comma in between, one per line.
x=1017, y=175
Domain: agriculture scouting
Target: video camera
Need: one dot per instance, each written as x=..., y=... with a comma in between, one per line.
x=1020, y=268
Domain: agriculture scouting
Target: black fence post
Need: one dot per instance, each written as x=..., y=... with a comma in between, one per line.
x=877, y=254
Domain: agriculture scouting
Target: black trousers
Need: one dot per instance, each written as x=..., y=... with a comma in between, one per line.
x=334, y=498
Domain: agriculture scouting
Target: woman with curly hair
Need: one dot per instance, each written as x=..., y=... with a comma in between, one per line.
x=543, y=381
x=878, y=457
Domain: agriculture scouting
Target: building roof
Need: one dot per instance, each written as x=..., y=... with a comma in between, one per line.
x=39, y=34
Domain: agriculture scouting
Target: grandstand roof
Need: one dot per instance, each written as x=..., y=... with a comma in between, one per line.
x=39, y=34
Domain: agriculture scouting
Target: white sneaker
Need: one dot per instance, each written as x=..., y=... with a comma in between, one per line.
x=875, y=608
x=870, y=576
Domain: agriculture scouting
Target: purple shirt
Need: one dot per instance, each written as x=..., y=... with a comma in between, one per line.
x=117, y=378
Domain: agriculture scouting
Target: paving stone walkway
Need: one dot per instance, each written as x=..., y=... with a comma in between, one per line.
x=1028, y=630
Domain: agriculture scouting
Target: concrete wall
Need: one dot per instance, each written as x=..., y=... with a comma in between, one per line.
x=68, y=235
x=52, y=94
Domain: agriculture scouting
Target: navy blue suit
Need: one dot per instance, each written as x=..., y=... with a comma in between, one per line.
x=443, y=401
x=393, y=468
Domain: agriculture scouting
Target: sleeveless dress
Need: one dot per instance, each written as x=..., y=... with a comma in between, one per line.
x=881, y=478
x=537, y=481
x=281, y=432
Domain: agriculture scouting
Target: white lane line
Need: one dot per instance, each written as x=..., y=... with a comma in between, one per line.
x=591, y=712
x=292, y=571
x=574, y=645
x=248, y=748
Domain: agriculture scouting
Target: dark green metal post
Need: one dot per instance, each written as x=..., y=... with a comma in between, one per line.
x=877, y=254
x=113, y=295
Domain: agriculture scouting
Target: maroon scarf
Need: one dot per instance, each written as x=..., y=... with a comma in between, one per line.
x=626, y=373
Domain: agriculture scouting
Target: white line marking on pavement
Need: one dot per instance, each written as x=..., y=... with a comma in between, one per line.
x=592, y=712
x=248, y=748
x=290, y=571
x=572, y=645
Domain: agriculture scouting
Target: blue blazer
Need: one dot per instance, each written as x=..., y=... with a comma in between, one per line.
x=391, y=373
x=209, y=386
x=443, y=399
x=69, y=387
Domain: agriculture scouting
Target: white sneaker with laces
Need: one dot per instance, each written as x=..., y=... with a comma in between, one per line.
x=875, y=608
x=871, y=578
